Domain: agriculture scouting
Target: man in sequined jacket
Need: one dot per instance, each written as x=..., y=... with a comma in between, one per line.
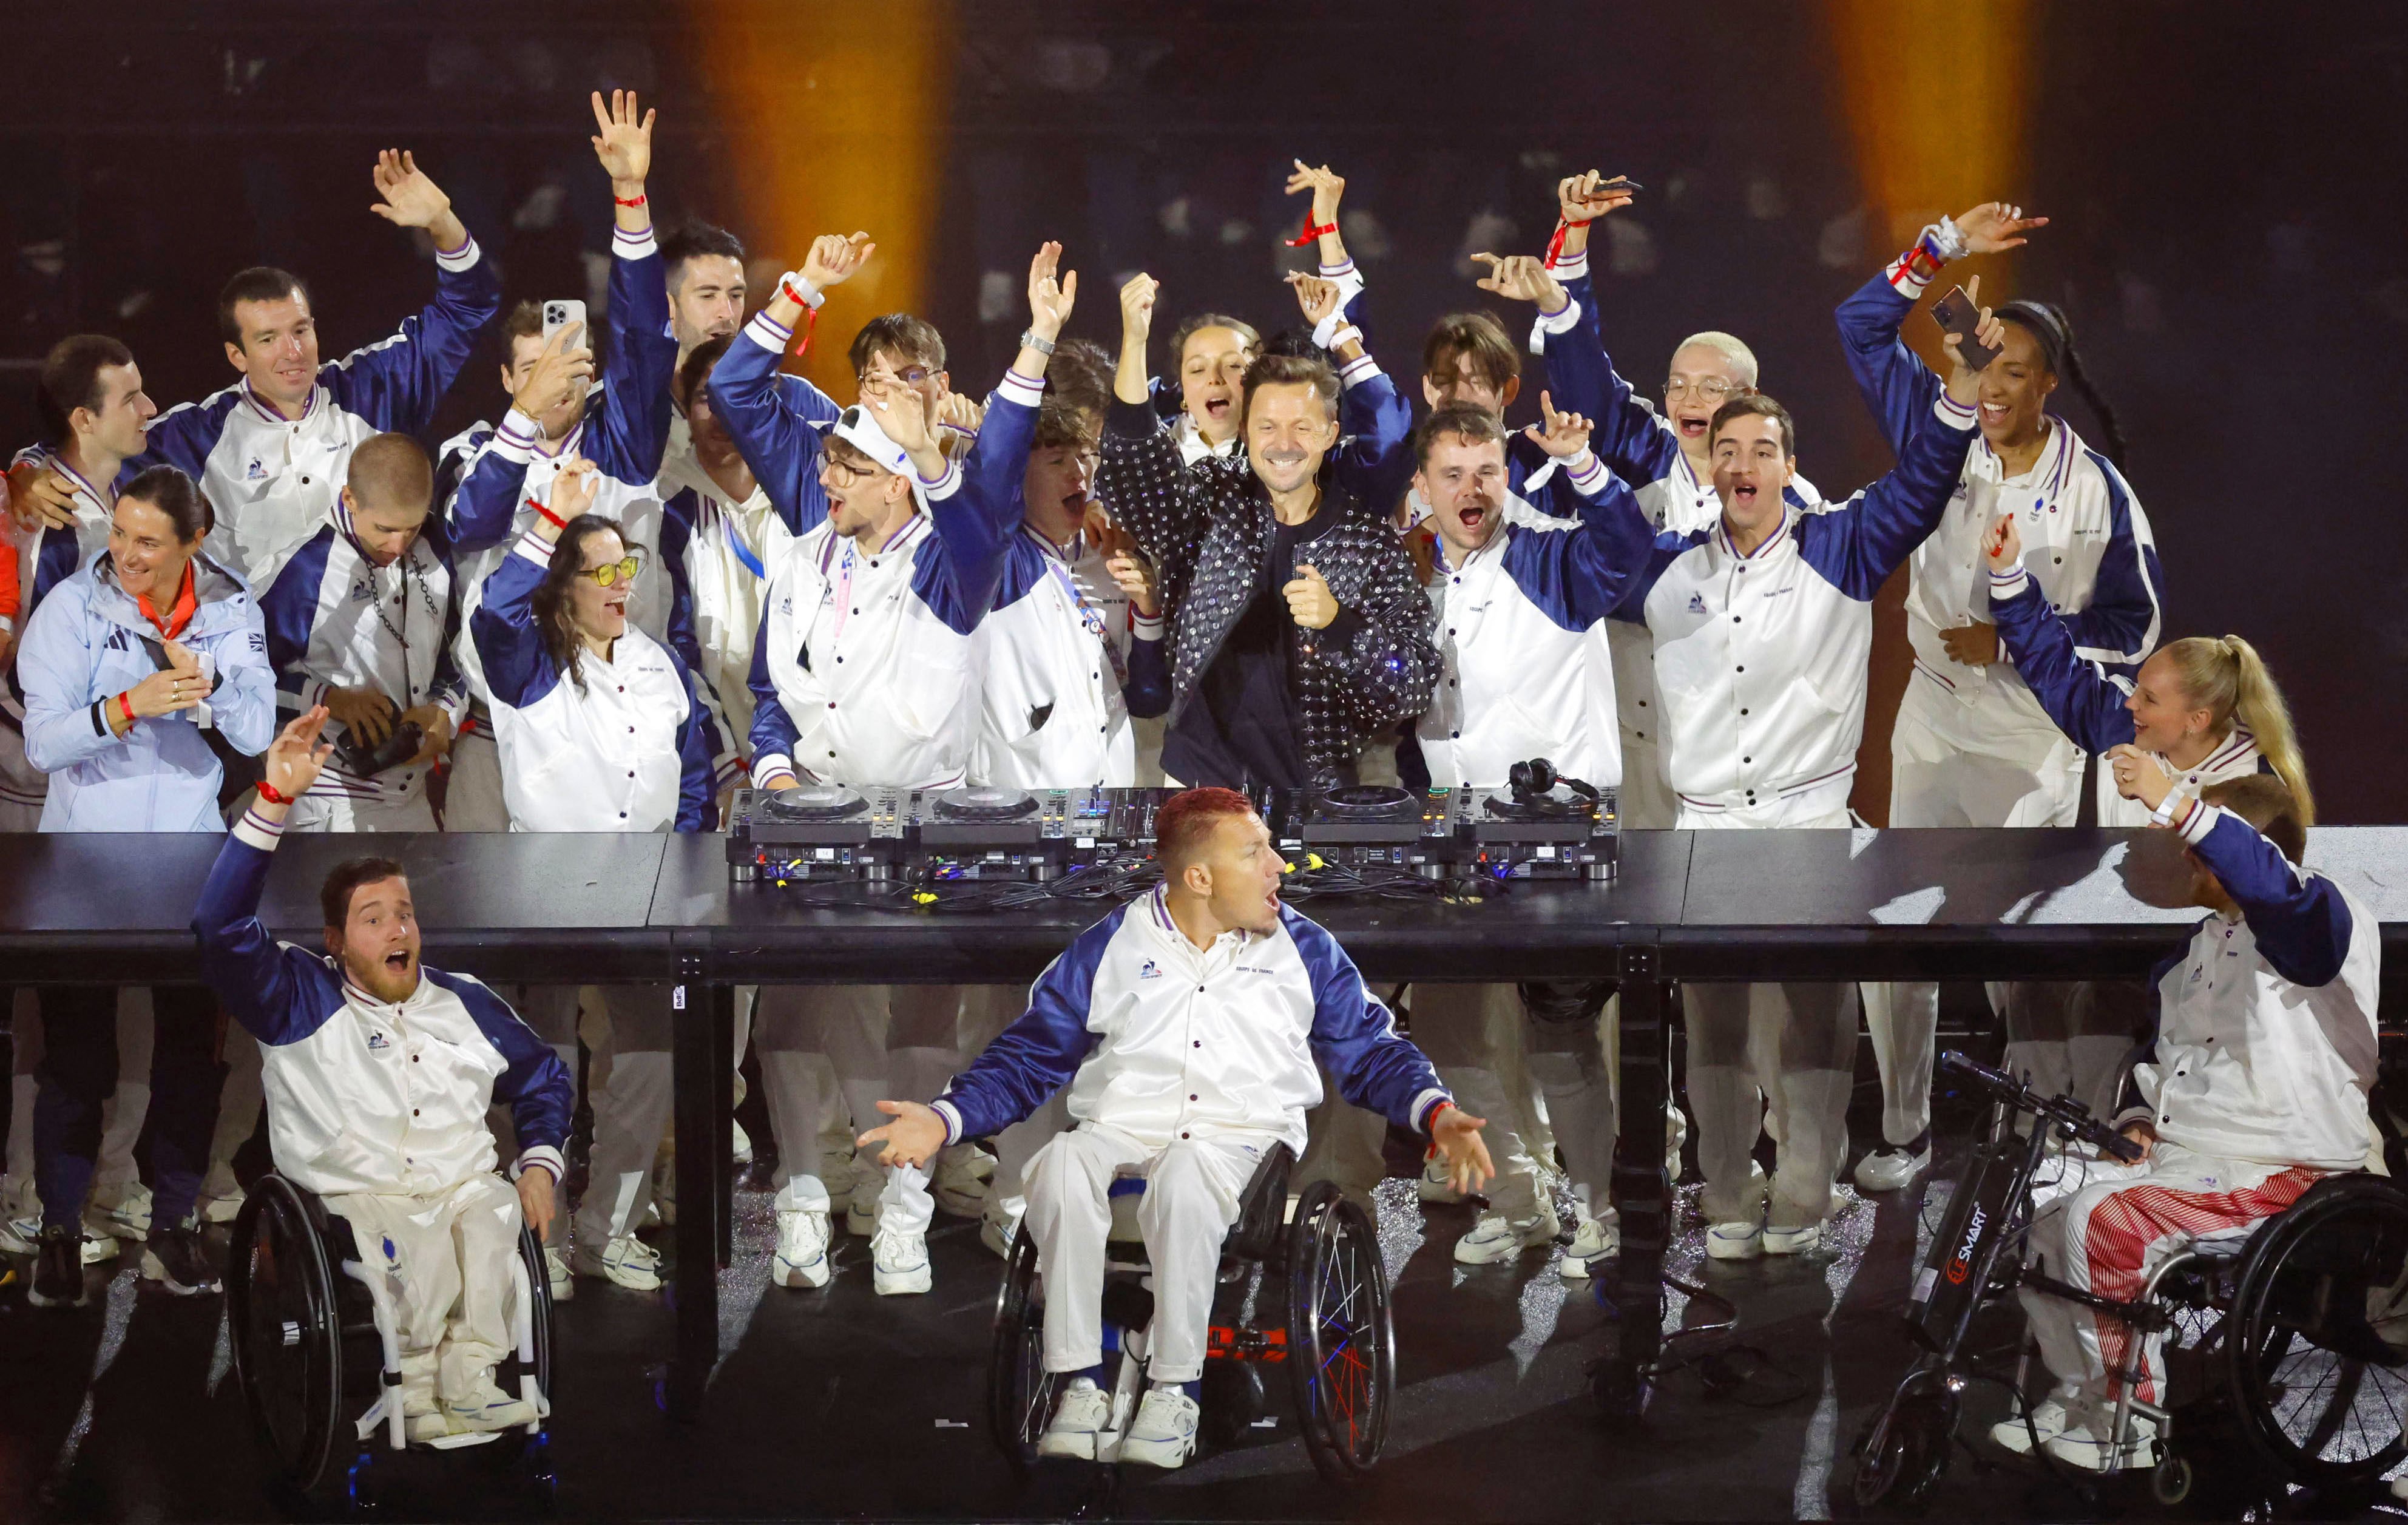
x=1298, y=625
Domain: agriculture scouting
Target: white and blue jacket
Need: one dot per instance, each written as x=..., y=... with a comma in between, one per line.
x=45, y=559
x=89, y=643
x=502, y=471
x=367, y=1095
x=2086, y=698
x=1166, y=1041
x=1761, y=658
x=718, y=555
x=272, y=478
x=337, y=620
x=1525, y=673
x=2086, y=540
x=864, y=671
x=2265, y=1047
x=626, y=749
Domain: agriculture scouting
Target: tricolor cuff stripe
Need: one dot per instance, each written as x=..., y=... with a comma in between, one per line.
x=2011, y=582
x=1358, y=371
x=769, y=765
x=730, y=771
x=1020, y=389
x=768, y=333
x=1956, y=415
x=637, y=245
x=1426, y=1104
x=1913, y=271
x=1343, y=267
x=2196, y=820
x=943, y=487
x=535, y=549
x=1561, y=320
x=463, y=258
x=1571, y=267
x=517, y=436
x=952, y=1120
x=545, y=1156
x=1587, y=474
x=257, y=830
x=1148, y=626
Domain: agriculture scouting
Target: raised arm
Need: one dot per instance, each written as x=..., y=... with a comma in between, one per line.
x=510, y=639
x=2303, y=924
x=2126, y=615
x=1898, y=387
x=2079, y=695
x=628, y=436
x=1580, y=577
x=490, y=467
x=258, y=982
x=397, y=383
x=771, y=429
x=1628, y=436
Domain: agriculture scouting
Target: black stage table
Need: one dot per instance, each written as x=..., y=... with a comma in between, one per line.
x=568, y=908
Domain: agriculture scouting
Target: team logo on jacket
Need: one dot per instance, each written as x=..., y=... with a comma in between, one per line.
x=377, y=1041
x=1697, y=603
x=362, y=593
x=256, y=471
x=1149, y=970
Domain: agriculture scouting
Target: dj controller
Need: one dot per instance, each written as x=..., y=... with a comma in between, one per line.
x=1539, y=827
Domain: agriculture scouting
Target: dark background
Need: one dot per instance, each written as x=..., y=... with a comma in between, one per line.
x=2226, y=183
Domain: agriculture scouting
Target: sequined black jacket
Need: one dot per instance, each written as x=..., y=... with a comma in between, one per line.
x=1207, y=527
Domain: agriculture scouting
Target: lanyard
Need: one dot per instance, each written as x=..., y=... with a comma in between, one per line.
x=744, y=553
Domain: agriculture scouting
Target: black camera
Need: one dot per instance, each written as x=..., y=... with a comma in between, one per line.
x=367, y=762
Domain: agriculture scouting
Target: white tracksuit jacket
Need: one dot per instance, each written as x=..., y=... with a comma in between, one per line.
x=1165, y=1041
x=270, y=479
x=365, y=1094
x=89, y=643
x=1761, y=659
x=2266, y=1028
x=2086, y=699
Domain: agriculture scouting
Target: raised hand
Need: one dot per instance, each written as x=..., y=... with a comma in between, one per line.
x=1136, y=306
x=1994, y=227
x=960, y=413
x=835, y=260
x=1580, y=199
x=623, y=142
x=913, y=1138
x=410, y=199
x=296, y=754
x=573, y=490
x=563, y=371
x=1319, y=298
x=1327, y=188
x=1524, y=278
x=1965, y=383
x=1136, y=578
x=1566, y=435
x=903, y=413
x=1457, y=1133
x=2003, y=545
x=1310, y=602
x=1050, y=300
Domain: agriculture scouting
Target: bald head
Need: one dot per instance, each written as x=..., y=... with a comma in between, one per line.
x=388, y=492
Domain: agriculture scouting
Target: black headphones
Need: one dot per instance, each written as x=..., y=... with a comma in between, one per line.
x=1531, y=780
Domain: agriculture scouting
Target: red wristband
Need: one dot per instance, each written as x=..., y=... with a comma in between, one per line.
x=557, y=522
x=810, y=319
x=125, y=707
x=267, y=791
x=1310, y=232
x=1556, y=244
x=624, y=202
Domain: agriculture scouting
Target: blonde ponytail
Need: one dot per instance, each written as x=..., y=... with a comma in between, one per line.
x=2226, y=679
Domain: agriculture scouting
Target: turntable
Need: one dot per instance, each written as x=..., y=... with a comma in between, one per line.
x=981, y=818
x=1540, y=826
x=1367, y=813
x=814, y=831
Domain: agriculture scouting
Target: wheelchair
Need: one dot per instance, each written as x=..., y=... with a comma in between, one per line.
x=1318, y=1310
x=313, y=1342
x=2296, y=1336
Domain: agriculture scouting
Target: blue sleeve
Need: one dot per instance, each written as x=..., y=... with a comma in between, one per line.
x=1147, y=693
x=1039, y=1053
x=242, y=706
x=538, y=1088
x=2301, y=921
x=773, y=728
x=1375, y=460
x=517, y=669
x=1355, y=1037
x=958, y=569
x=1898, y=387
x=696, y=754
x=810, y=404
x=485, y=504
x=396, y=383
x=677, y=534
x=776, y=441
x=628, y=437
x=2084, y=702
x=1857, y=546
x=289, y=609
x=280, y=995
x=1579, y=577
x=184, y=435
x=1629, y=438
x=2123, y=620
x=53, y=564
x=997, y=463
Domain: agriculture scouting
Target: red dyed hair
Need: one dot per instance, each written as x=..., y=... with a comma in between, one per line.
x=1188, y=817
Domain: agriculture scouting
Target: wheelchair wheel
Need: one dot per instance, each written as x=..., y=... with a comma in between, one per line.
x=1342, y=1341
x=1903, y=1450
x=2317, y=1349
x=509, y=1447
x=285, y=1335
x=1019, y=1392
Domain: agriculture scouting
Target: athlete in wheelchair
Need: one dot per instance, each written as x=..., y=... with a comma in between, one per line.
x=384, y=1242
x=1187, y=1025
x=2219, y=1215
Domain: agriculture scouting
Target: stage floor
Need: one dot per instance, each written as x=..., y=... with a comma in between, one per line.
x=838, y=1403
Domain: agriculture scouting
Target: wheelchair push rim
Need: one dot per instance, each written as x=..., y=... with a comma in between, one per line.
x=1020, y=1392
x=1341, y=1338
x=284, y=1337
x=2318, y=1356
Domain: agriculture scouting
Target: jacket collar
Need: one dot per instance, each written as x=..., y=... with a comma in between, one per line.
x=214, y=589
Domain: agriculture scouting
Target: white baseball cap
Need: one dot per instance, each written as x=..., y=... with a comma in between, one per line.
x=857, y=427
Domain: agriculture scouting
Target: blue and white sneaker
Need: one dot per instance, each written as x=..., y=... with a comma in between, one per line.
x=627, y=1261
x=1163, y=1434
x=802, y=1258
x=898, y=1262
x=1598, y=1241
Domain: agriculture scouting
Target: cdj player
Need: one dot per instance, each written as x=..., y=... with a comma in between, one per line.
x=823, y=831
x=817, y=831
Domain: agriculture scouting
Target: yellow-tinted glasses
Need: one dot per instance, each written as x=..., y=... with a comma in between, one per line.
x=613, y=572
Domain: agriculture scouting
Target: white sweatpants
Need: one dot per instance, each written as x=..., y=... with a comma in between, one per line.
x=2105, y=1226
x=316, y=812
x=1572, y=1063
x=472, y=799
x=239, y=1099
x=1793, y=1044
x=1458, y=1027
x=630, y=1107
x=1995, y=762
x=1192, y=1193
x=445, y=1260
x=886, y=1043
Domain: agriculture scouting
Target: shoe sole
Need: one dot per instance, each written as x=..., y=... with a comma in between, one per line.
x=795, y=1276
x=901, y=1285
x=39, y=1301
x=1170, y=1457
x=156, y=1273
x=1724, y=1249
x=1068, y=1448
x=1807, y=1247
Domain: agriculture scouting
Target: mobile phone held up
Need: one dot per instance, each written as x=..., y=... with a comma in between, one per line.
x=564, y=312
x=1959, y=317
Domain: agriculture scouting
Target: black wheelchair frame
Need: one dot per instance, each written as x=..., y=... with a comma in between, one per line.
x=1331, y=1327
x=312, y=1349
x=2300, y=1339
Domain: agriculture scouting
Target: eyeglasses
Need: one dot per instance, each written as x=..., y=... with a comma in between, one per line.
x=843, y=473
x=1710, y=388
x=612, y=573
x=909, y=375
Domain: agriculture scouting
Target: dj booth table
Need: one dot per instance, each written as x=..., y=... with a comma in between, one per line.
x=1755, y=905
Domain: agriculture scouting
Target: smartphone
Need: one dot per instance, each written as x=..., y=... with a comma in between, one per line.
x=563, y=312
x=1957, y=316
x=1619, y=182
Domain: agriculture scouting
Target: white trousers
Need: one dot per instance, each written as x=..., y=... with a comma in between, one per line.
x=1467, y=1032
x=472, y=800
x=885, y=1043
x=342, y=812
x=631, y=1105
x=445, y=1260
x=1791, y=1046
x=1192, y=1193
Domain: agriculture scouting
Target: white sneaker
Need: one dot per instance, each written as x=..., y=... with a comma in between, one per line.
x=1742, y=1239
x=1164, y=1432
x=1598, y=1240
x=125, y=1214
x=1886, y=1170
x=1496, y=1237
x=556, y=1267
x=741, y=1150
x=960, y=1185
x=1078, y=1419
x=489, y=1408
x=627, y=1261
x=802, y=1258
x=2049, y=1419
x=898, y=1263
x=1434, y=1185
x=1803, y=1240
x=2076, y=1447
x=422, y=1427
